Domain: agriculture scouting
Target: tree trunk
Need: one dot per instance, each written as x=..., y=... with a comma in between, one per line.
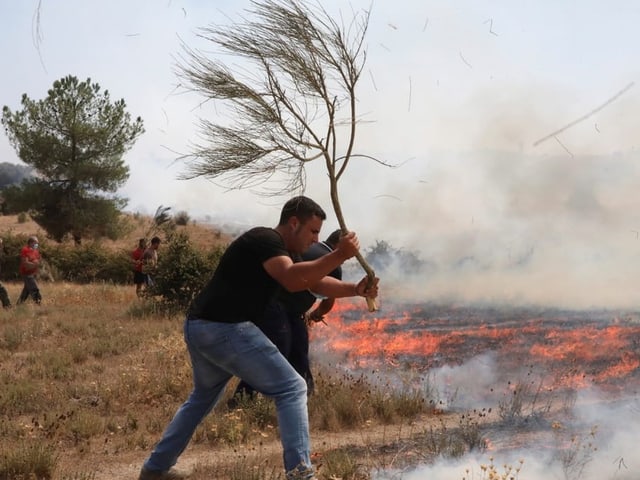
x=371, y=302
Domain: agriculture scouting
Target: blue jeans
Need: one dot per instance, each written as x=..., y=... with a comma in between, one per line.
x=218, y=351
x=275, y=325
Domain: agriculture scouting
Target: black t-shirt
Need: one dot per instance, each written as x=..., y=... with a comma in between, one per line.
x=240, y=287
x=300, y=302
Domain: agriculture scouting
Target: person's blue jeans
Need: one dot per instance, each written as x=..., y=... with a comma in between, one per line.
x=275, y=325
x=218, y=351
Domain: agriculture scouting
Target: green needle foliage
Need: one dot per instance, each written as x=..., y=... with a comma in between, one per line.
x=74, y=139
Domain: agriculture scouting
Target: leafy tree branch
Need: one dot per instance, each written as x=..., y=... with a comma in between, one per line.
x=291, y=101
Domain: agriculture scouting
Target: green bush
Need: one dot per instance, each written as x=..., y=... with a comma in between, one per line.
x=23, y=217
x=182, y=271
x=181, y=218
x=88, y=263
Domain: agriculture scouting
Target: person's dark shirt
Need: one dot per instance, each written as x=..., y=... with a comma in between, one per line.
x=300, y=302
x=240, y=287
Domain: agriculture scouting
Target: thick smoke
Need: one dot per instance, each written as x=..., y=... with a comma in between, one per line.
x=592, y=437
x=531, y=225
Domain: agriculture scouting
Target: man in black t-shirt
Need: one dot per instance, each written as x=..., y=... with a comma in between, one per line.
x=223, y=340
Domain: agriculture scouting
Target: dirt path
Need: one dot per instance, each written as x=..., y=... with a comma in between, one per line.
x=379, y=446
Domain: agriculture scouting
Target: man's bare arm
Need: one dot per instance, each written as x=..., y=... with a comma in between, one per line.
x=299, y=276
x=302, y=275
x=333, y=288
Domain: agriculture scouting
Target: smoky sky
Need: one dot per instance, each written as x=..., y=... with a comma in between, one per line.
x=455, y=97
x=518, y=227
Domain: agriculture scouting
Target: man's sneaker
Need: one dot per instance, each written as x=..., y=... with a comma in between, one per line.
x=301, y=473
x=146, y=474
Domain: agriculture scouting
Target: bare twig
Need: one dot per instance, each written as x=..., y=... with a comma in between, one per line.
x=584, y=117
x=37, y=33
x=490, y=22
x=373, y=81
x=562, y=145
x=388, y=196
x=465, y=61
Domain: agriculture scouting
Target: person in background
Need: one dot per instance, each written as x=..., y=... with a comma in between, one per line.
x=298, y=306
x=4, y=296
x=139, y=278
x=285, y=322
x=29, y=268
x=150, y=260
x=223, y=340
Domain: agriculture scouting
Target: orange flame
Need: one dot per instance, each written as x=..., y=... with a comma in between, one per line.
x=596, y=350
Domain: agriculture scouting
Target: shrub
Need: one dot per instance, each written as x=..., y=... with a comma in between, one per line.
x=88, y=263
x=181, y=218
x=182, y=271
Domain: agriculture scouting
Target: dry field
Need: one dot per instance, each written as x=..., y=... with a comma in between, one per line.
x=89, y=379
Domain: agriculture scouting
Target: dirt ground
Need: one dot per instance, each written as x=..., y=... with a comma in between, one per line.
x=376, y=447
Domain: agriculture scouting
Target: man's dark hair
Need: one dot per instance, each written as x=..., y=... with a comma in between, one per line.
x=302, y=207
x=333, y=239
x=155, y=240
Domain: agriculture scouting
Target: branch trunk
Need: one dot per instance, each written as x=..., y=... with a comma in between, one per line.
x=371, y=302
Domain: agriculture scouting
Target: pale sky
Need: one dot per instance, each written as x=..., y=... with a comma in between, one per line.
x=456, y=93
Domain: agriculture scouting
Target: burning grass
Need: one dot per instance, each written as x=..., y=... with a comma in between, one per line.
x=580, y=348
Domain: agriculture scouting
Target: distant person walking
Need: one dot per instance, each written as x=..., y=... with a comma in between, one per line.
x=139, y=277
x=29, y=268
x=4, y=296
x=150, y=260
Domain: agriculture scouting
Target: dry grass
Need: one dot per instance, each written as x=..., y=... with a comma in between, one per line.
x=139, y=227
x=75, y=370
x=89, y=379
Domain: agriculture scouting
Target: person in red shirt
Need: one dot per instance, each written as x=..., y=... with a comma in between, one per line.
x=137, y=256
x=29, y=267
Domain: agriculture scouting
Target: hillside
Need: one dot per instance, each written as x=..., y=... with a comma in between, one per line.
x=139, y=226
